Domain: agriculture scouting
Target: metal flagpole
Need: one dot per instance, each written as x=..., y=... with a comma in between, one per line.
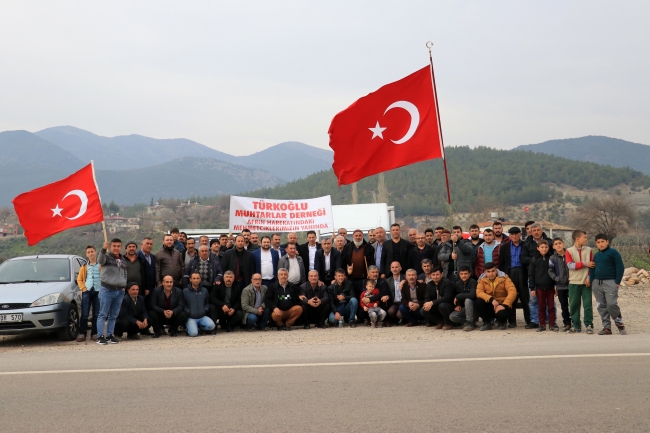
x=442, y=143
x=92, y=164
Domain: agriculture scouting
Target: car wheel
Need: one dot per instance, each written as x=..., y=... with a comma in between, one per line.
x=71, y=329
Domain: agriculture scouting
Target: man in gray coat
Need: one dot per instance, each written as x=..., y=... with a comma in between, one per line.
x=292, y=262
x=111, y=293
x=256, y=314
x=454, y=252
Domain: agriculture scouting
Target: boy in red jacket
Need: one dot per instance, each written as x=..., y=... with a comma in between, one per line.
x=377, y=315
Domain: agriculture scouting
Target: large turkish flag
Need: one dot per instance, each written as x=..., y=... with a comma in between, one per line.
x=50, y=209
x=394, y=126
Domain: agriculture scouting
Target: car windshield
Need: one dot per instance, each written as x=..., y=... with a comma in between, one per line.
x=34, y=270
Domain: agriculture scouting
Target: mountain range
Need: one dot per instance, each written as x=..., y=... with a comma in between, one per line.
x=598, y=149
x=133, y=168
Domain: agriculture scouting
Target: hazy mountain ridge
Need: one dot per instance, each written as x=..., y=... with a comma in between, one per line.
x=598, y=149
x=136, y=151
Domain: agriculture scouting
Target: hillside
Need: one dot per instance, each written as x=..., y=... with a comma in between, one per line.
x=598, y=149
x=29, y=162
x=180, y=178
x=289, y=161
x=479, y=178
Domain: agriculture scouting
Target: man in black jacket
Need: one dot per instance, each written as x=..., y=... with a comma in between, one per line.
x=135, y=268
x=327, y=261
x=133, y=318
x=438, y=300
x=528, y=253
x=342, y=300
x=208, y=266
x=225, y=303
x=420, y=252
x=383, y=297
x=239, y=261
x=356, y=257
x=464, y=299
x=149, y=261
x=308, y=251
x=394, y=249
x=167, y=307
x=315, y=301
x=283, y=299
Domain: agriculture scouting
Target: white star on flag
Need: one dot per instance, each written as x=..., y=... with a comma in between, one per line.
x=377, y=131
x=56, y=211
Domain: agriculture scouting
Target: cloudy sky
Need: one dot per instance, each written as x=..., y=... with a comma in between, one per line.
x=242, y=76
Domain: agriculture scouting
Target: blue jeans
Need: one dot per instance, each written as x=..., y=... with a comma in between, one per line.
x=110, y=302
x=346, y=309
x=193, y=325
x=534, y=315
x=89, y=299
x=410, y=316
x=261, y=322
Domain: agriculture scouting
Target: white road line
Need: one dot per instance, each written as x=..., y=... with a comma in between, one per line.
x=325, y=364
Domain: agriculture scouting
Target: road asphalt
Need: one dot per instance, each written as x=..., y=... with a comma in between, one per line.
x=581, y=385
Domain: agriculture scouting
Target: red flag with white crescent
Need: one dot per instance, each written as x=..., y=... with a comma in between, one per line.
x=65, y=204
x=394, y=126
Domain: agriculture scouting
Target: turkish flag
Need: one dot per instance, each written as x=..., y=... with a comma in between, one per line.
x=68, y=203
x=394, y=126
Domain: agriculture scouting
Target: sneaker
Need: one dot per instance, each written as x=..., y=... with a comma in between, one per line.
x=541, y=328
x=81, y=338
x=605, y=331
x=566, y=328
x=575, y=330
x=486, y=327
x=468, y=327
x=590, y=329
x=554, y=328
x=621, y=329
x=101, y=340
x=531, y=325
x=112, y=340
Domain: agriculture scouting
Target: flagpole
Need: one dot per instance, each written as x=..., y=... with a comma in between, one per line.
x=92, y=164
x=442, y=142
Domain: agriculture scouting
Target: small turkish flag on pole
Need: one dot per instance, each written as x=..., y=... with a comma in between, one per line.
x=68, y=203
x=396, y=125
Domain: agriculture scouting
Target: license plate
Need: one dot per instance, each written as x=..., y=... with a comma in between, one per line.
x=6, y=318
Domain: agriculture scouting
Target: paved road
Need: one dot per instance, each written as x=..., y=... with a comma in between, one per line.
x=581, y=385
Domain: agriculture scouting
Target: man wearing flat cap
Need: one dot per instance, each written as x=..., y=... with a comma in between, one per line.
x=510, y=263
x=135, y=268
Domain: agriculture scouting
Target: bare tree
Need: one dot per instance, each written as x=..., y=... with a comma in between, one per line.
x=5, y=212
x=612, y=215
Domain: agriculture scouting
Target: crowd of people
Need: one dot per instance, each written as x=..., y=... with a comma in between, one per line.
x=437, y=278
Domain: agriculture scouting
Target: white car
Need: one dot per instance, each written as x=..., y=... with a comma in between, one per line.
x=40, y=294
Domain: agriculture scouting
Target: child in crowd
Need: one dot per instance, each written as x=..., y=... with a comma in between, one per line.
x=579, y=259
x=559, y=272
x=605, y=279
x=543, y=287
x=377, y=315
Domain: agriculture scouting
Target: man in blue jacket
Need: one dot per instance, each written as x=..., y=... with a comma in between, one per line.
x=266, y=262
x=605, y=280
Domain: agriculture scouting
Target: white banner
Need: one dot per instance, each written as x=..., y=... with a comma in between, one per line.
x=265, y=215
